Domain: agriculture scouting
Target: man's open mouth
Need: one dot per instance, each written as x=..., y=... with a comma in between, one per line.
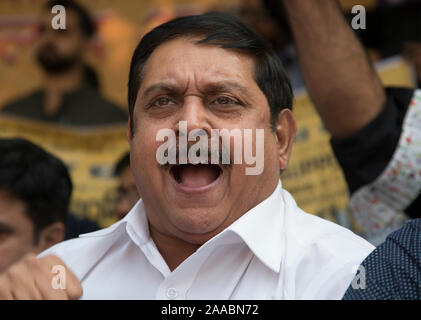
x=195, y=176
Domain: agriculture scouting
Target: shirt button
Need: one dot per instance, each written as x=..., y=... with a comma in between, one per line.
x=172, y=293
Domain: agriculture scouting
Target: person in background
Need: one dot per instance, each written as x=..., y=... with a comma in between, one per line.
x=127, y=194
x=35, y=190
x=376, y=131
x=393, y=28
x=76, y=226
x=69, y=94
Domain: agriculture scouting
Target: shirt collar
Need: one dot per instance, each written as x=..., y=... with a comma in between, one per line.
x=260, y=228
x=137, y=224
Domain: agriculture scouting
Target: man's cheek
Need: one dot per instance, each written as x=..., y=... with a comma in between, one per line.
x=146, y=155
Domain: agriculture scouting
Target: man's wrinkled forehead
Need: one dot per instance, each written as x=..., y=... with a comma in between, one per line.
x=182, y=63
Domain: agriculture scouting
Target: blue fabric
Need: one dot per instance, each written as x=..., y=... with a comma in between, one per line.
x=393, y=269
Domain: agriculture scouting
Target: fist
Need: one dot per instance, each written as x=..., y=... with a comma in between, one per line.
x=39, y=279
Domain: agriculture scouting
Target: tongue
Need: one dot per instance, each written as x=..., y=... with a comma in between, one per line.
x=197, y=176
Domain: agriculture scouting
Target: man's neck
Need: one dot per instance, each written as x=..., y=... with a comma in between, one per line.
x=173, y=250
x=56, y=85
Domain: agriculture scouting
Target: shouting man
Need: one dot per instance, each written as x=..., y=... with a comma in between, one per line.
x=205, y=229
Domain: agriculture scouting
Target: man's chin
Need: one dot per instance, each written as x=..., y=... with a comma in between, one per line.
x=199, y=223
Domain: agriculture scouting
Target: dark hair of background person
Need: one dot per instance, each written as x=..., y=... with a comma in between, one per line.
x=86, y=22
x=225, y=31
x=276, y=10
x=122, y=163
x=38, y=179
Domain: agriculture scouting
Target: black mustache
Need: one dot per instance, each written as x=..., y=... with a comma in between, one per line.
x=221, y=150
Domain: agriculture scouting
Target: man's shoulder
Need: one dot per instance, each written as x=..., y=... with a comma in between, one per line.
x=340, y=239
x=107, y=111
x=24, y=104
x=81, y=254
x=309, y=230
x=321, y=257
x=330, y=240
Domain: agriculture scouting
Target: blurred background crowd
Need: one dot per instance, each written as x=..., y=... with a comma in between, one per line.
x=392, y=28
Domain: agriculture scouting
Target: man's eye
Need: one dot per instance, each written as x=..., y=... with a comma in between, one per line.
x=162, y=102
x=225, y=101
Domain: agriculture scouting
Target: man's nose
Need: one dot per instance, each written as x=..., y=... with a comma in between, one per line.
x=195, y=114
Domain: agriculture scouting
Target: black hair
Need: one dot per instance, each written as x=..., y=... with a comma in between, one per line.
x=276, y=11
x=122, y=163
x=86, y=22
x=38, y=179
x=225, y=31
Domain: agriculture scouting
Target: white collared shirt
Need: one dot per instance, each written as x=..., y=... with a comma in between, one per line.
x=274, y=251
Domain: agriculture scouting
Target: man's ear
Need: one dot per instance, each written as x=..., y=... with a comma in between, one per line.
x=51, y=235
x=285, y=132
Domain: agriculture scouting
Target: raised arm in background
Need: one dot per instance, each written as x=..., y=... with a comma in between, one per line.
x=342, y=84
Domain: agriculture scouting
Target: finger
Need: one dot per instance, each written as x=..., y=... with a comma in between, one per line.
x=20, y=282
x=24, y=288
x=72, y=285
x=48, y=292
x=31, y=265
x=44, y=280
x=5, y=290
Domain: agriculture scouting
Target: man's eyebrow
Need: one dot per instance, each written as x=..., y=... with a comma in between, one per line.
x=226, y=86
x=158, y=87
x=5, y=228
x=221, y=86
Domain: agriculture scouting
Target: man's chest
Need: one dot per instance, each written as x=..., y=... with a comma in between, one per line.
x=230, y=272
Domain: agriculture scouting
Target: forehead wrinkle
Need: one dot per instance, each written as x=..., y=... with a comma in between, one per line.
x=181, y=74
x=157, y=87
x=187, y=70
x=223, y=86
x=166, y=85
x=213, y=79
